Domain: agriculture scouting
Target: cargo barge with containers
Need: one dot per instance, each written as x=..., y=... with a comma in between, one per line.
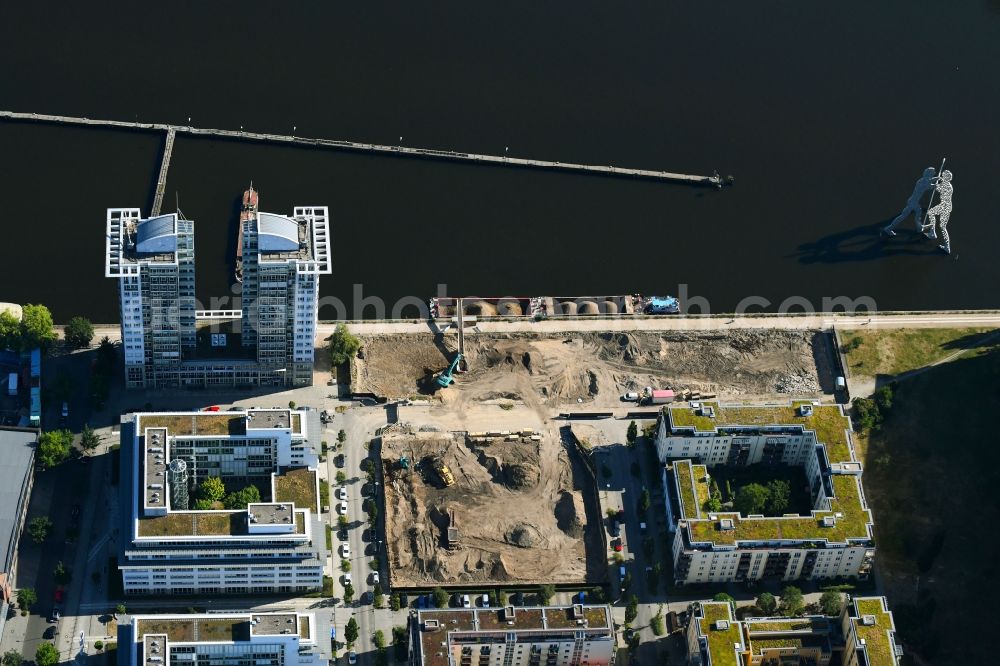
x=546, y=307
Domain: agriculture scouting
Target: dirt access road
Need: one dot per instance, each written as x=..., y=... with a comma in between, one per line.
x=594, y=369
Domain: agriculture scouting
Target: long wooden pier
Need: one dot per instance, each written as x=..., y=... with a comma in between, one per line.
x=161, y=180
x=500, y=160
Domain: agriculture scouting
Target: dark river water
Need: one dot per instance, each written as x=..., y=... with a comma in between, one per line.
x=825, y=113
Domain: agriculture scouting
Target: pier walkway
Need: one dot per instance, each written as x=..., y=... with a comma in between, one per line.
x=161, y=180
x=500, y=160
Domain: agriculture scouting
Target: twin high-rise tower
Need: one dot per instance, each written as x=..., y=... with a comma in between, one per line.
x=269, y=341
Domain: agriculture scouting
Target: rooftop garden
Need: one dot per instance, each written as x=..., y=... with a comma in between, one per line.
x=595, y=616
x=877, y=644
x=685, y=481
x=194, y=523
x=720, y=643
x=830, y=424
x=774, y=643
x=186, y=631
x=199, y=423
x=791, y=624
x=304, y=627
x=851, y=524
x=701, y=484
x=297, y=486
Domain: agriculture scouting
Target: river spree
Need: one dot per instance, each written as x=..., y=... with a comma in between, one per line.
x=824, y=114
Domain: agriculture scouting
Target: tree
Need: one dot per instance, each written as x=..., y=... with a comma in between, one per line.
x=212, y=489
x=767, y=603
x=291, y=404
x=378, y=598
x=61, y=574
x=341, y=436
x=545, y=593
x=46, y=655
x=502, y=598
x=345, y=565
x=120, y=609
x=379, y=639
x=107, y=356
x=26, y=598
x=632, y=434
x=351, y=631
x=203, y=505
x=36, y=327
x=98, y=645
x=348, y=593
x=79, y=332
x=778, y=493
x=440, y=597
x=12, y=658
x=632, y=609
x=10, y=331
x=88, y=438
x=343, y=345
x=341, y=477
x=400, y=641
x=39, y=528
x=723, y=597
x=644, y=501
x=831, y=602
x=394, y=602
x=750, y=499
x=54, y=447
x=791, y=601
x=240, y=498
x=656, y=624
x=342, y=521
x=866, y=414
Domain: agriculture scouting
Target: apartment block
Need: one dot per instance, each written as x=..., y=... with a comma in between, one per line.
x=220, y=639
x=267, y=341
x=835, y=539
x=857, y=638
x=178, y=545
x=514, y=636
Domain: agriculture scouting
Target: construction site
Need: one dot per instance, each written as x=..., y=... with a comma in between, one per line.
x=500, y=507
x=595, y=369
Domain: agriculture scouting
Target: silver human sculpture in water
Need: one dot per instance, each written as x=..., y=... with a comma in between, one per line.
x=941, y=213
x=913, y=205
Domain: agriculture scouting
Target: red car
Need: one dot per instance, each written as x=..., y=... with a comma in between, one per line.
x=59, y=595
x=616, y=545
x=213, y=408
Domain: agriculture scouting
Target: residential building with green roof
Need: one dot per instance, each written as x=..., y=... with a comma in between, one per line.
x=863, y=635
x=832, y=540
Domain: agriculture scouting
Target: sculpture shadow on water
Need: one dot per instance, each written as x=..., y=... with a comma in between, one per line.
x=865, y=243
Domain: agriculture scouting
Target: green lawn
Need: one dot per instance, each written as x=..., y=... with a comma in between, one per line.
x=895, y=351
x=931, y=477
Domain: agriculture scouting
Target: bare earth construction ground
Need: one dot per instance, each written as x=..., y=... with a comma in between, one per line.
x=595, y=368
x=516, y=503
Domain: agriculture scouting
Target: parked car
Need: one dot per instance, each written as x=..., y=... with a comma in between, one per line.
x=342, y=493
x=65, y=409
x=55, y=614
x=347, y=579
x=485, y=601
x=352, y=657
x=345, y=550
x=374, y=578
x=631, y=396
x=342, y=508
x=466, y=601
x=616, y=545
x=342, y=535
x=339, y=460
